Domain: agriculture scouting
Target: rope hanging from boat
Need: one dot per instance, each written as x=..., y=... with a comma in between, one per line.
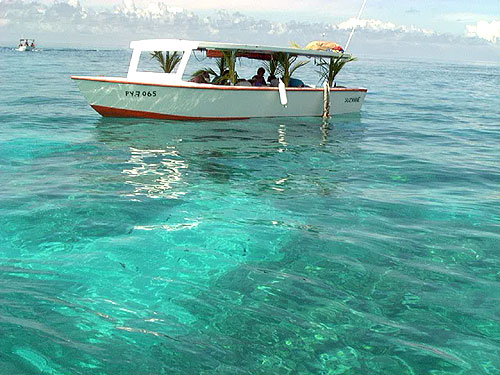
x=355, y=25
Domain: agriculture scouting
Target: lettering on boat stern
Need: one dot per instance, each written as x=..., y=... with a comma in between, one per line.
x=353, y=100
x=137, y=93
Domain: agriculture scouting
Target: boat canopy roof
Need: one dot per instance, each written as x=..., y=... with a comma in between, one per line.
x=184, y=45
x=28, y=39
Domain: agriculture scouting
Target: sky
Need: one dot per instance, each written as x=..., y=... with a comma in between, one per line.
x=449, y=29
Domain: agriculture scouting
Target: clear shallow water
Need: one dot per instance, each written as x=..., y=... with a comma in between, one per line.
x=370, y=246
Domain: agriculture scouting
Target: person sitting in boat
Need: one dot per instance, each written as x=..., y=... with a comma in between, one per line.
x=273, y=81
x=203, y=77
x=258, y=79
x=32, y=45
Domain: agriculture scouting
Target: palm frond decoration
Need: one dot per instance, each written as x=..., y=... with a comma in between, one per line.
x=216, y=75
x=329, y=69
x=297, y=65
x=167, y=61
x=221, y=65
x=273, y=67
x=226, y=69
x=288, y=65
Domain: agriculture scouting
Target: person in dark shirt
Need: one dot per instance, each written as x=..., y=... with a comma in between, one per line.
x=258, y=79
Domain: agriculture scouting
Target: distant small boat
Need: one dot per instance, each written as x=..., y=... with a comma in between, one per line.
x=169, y=96
x=26, y=44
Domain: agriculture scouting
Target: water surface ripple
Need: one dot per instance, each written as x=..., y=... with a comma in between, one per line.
x=368, y=245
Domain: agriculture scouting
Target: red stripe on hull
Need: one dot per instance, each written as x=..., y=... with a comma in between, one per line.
x=119, y=112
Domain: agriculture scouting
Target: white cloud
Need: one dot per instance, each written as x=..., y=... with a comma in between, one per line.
x=375, y=25
x=151, y=10
x=378, y=25
x=241, y=5
x=69, y=24
x=485, y=30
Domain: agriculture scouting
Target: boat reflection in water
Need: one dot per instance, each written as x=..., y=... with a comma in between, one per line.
x=163, y=161
x=155, y=173
x=154, y=167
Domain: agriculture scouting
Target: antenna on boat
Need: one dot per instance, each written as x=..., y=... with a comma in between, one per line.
x=355, y=25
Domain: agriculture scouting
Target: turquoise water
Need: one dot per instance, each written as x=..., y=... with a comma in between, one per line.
x=368, y=245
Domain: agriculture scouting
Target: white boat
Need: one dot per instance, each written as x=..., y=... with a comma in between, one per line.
x=170, y=96
x=26, y=44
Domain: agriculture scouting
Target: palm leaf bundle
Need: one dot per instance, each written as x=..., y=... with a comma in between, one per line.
x=167, y=61
x=273, y=67
x=329, y=69
x=288, y=65
x=226, y=66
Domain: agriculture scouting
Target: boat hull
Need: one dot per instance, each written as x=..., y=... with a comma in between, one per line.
x=187, y=101
x=25, y=48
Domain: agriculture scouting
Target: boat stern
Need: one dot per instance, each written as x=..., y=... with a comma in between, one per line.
x=346, y=100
